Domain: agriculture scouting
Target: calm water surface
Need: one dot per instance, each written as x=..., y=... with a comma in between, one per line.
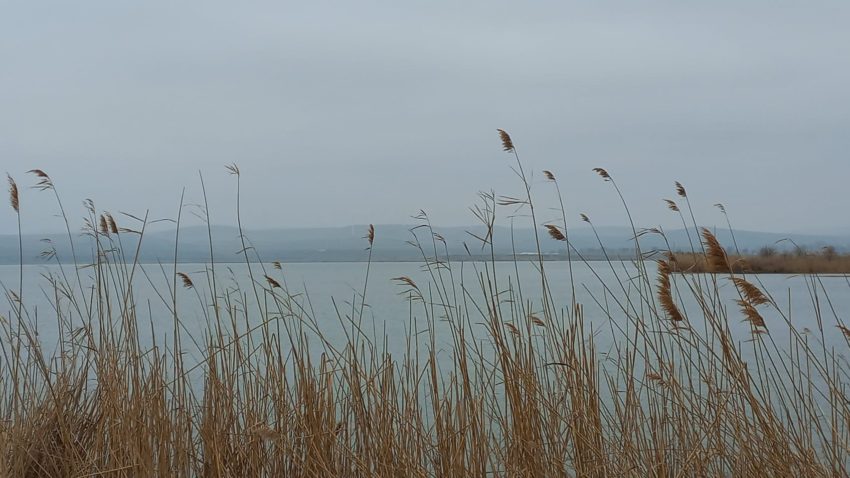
x=330, y=289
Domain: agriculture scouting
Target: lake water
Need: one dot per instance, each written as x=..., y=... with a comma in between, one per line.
x=328, y=290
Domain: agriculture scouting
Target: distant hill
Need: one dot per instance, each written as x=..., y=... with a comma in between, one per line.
x=391, y=243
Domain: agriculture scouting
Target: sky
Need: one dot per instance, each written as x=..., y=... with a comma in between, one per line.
x=362, y=112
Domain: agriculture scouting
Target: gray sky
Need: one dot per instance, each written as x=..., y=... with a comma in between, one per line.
x=358, y=112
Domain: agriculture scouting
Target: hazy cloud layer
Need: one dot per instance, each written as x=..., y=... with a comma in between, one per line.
x=356, y=112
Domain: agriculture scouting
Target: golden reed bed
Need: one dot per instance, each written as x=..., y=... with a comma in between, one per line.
x=516, y=388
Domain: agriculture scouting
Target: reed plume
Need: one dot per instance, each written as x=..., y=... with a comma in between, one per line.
x=13, y=194
x=549, y=175
x=507, y=143
x=104, y=225
x=751, y=293
x=665, y=292
x=537, y=321
x=751, y=315
x=44, y=183
x=602, y=173
x=715, y=254
x=113, y=227
x=187, y=281
x=680, y=190
x=370, y=235
x=555, y=233
x=671, y=205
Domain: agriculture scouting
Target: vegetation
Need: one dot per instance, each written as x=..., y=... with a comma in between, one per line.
x=769, y=261
x=516, y=386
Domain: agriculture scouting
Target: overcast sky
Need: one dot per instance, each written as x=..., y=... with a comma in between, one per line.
x=358, y=112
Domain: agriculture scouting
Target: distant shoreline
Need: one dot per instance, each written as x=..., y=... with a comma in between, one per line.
x=768, y=262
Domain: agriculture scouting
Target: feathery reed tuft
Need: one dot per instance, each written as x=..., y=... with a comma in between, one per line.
x=104, y=225
x=603, y=173
x=113, y=227
x=751, y=293
x=370, y=234
x=680, y=190
x=187, y=281
x=584, y=217
x=406, y=281
x=715, y=254
x=44, y=182
x=751, y=315
x=13, y=194
x=671, y=205
x=665, y=292
x=555, y=233
x=272, y=282
x=507, y=143
x=549, y=175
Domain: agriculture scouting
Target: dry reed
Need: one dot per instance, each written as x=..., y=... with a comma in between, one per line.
x=493, y=380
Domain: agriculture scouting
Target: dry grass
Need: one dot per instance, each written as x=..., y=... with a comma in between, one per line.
x=516, y=388
x=786, y=263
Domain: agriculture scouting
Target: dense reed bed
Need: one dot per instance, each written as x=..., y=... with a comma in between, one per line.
x=516, y=388
x=771, y=262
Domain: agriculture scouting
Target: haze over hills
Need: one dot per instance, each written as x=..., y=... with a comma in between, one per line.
x=392, y=243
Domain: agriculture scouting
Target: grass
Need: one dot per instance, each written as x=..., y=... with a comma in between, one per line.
x=494, y=379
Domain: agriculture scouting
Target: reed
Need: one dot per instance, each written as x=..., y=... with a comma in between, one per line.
x=494, y=379
x=779, y=263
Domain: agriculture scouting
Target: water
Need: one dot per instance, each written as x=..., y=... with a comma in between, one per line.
x=331, y=290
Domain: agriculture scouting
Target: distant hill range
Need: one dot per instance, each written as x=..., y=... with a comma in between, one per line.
x=334, y=244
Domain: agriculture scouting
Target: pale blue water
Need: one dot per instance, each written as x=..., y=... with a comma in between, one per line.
x=329, y=289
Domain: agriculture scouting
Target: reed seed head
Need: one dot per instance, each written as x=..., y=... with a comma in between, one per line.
x=370, y=235
x=665, y=292
x=751, y=293
x=507, y=143
x=44, y=181
x=104, y=225
x=715, y=254
x=680, y=190
x=187, y=281
x=113, y=227
x=751, y=315
x=555, y=233
x=601, y=172
x=13, y=194
x=671, y=205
